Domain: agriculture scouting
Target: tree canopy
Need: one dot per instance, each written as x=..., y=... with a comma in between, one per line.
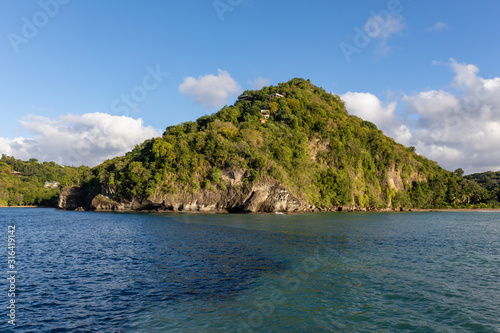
x=22, y=182
x=309, y=143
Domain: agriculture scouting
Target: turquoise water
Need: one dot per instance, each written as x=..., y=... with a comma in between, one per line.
x=328, y=272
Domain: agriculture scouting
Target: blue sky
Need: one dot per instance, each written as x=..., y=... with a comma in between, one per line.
x=82, y=81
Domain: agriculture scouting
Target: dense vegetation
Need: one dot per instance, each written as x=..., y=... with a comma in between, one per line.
x=489, y=180
x=22, y=182
x=310, y=144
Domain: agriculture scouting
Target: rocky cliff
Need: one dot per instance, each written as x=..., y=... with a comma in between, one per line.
x=73, y=198
x=265, y=196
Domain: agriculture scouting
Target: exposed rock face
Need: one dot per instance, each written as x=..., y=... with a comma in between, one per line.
x=71, y=198
x=395, y=181
x=272, y=198
x=266, y=196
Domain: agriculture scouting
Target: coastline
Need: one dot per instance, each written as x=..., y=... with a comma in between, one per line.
x=492, y=210
x=26, y=207
x=316, y=210
x=416, y=210
x=208, y=212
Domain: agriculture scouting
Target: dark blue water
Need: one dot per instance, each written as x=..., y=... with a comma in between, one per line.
x=394, y=272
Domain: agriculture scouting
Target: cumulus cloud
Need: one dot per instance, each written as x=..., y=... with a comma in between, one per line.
x=88, y=139
x=368, y=107
x=211, y=91
x=464, y=128
x=438, y=27
x=382, y=27
x=258, y=83
x=460, y=130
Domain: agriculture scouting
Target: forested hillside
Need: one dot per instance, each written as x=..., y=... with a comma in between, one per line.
x=293, y=145
x=489, y=180
x=23, y=182
x=296, y=134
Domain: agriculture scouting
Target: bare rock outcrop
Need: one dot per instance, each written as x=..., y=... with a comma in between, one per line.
x=264, y=196
x=272, y=197
x=72, y=198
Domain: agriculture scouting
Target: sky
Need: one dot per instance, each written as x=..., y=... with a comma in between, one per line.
x=85, y=81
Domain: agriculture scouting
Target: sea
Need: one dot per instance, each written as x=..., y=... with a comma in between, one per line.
x=67, y=271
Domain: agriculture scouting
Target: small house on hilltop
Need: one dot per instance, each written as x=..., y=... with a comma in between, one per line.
x=17, y=173
x=244, y=97
x=265, y=113
x=51, y=184
x=275, y=95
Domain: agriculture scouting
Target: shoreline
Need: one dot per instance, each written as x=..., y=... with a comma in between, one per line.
x=412, y=210
x=416, y=210
x=457, y=210
x=26, y=207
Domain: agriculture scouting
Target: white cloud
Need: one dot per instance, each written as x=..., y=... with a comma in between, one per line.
x=465, y=75
x=381, y=28
x=368, y=107
x=258, y=83
x=438, y=27
x=457, y=131
x=88, y=139
x=211, y=91
x=432, y=103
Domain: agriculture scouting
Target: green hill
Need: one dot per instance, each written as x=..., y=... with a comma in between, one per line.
x=489, y=180
x=309, y=154
x=34, y=183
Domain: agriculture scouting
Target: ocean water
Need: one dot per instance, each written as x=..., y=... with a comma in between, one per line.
x=323, y=272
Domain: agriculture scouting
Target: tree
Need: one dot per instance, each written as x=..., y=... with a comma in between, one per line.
x=459, y=172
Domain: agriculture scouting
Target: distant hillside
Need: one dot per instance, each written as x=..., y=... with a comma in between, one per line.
x=34, y=183
x=290, y=147
x=489, y=180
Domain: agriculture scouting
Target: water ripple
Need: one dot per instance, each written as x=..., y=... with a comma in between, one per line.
x=89, y=272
